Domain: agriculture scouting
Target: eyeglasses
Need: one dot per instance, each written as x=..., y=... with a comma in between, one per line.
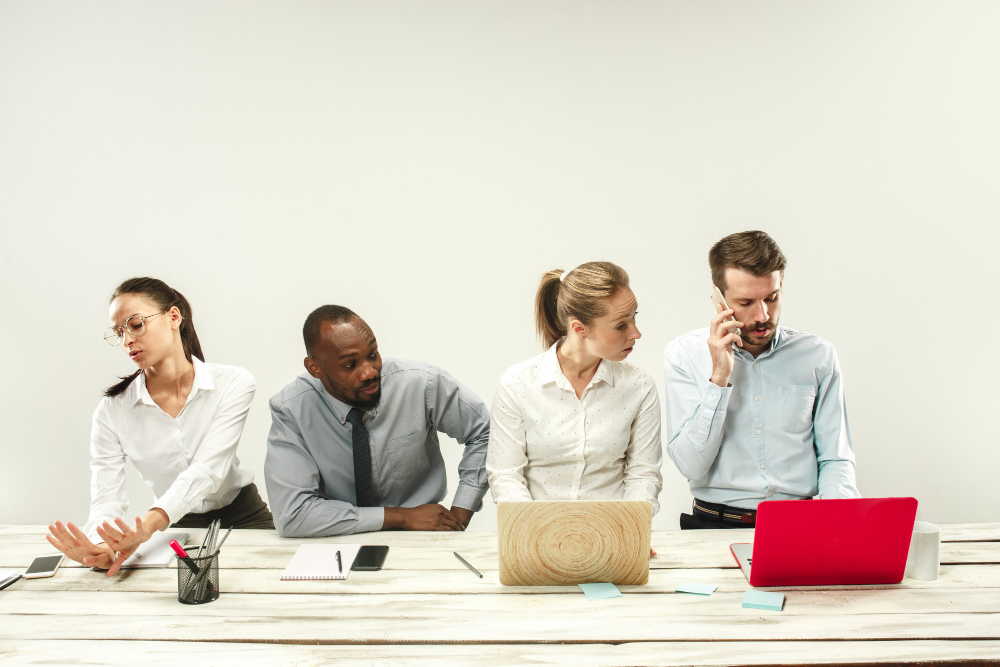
x=135, y=325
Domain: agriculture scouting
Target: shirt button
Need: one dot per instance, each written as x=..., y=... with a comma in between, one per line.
x=761, y=466
x=768, y=494
x=715, y=395
x=758, y=431
x=755, y=364
x=756, y=398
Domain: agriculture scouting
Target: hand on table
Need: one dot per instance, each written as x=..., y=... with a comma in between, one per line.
x=124, y=541
x=463, y=515
x=422, y=517
x=71, y=541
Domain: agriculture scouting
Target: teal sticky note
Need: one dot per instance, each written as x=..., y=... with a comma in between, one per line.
x=697, y=589
x=600, y=591
x=763, y=600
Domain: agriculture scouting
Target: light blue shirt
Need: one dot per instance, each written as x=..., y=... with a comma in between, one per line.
x=309, y=467
x=778, y=432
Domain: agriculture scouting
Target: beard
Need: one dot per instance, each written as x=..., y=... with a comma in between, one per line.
x=769, y=326
x=367, y=403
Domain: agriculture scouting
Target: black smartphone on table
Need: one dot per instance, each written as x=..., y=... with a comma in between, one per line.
x=370, y=558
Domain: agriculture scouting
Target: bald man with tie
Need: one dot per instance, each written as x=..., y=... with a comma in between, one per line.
x=353, y=445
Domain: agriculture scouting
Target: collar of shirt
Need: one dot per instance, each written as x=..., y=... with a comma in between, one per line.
x=202, y=380
x=550, y=371
x=340, y=409
x=776, y=342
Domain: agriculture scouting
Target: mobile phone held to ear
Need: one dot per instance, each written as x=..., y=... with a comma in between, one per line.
x=370, y=558
x=43, y=566
x=717, y=300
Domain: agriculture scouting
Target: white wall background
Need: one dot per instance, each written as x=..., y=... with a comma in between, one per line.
x=424, y=162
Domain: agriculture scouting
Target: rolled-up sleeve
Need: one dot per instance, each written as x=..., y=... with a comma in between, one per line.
x=832, y=437
x=214, y=456
x=108, y=494
x=696, y=414
x=293, y=489
x=644, y=455
x=459, y=413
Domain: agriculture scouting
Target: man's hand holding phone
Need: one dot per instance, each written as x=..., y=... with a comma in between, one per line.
x=720, y=344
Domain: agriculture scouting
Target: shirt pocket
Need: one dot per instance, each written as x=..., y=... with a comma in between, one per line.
x=796, y=403
x=408, y=455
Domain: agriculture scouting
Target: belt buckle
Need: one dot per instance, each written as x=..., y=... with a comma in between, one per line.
x=749, y=519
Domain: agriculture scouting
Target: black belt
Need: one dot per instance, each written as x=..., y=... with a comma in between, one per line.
x=733, y=515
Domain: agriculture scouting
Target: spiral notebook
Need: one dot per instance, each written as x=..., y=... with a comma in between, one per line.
x=319, y=561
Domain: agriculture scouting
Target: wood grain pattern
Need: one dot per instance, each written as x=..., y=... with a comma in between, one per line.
x=957, y=578
x=427, y=609
x=646, y=654
x=482, y=553
x=394, y=625
x=545, y=543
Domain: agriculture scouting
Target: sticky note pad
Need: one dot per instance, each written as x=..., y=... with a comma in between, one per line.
x=600, y=591
x=763, y=600
x=697, y=589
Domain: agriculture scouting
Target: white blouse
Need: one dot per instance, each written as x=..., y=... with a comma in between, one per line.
x=546, y=444
x=188, y=462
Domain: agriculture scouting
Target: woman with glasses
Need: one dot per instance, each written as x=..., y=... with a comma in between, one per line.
x=178, y=419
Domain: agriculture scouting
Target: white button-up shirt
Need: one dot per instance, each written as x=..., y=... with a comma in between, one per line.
x=188, y=462
x=779, y=430
x=547, y=444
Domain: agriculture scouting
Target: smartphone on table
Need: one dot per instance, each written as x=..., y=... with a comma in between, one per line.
x=370, y=558
x=717, y=300
x=43, y=566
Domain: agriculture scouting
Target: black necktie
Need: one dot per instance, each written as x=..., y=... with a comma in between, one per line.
x=362, y=460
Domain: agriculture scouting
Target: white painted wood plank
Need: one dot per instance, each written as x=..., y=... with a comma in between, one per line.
x=438, y=556
x=649, y=654
x=423, y=623
x=957, y=577
x=488, y=608
x=969, y=532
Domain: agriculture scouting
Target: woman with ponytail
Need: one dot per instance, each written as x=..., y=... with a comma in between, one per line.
x=178, y=419
x=578, y=422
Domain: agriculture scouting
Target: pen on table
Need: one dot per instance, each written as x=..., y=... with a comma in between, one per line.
x=468, y=565
x=340, y=565
x=14, y=580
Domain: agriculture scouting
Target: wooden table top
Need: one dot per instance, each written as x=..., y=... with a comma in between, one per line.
x=426, y=608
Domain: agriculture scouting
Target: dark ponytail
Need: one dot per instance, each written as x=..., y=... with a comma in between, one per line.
x=165, y=298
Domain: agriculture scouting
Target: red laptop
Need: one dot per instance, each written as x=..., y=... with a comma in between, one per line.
x=828, y=542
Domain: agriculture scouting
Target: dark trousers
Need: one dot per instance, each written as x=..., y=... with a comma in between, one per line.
x=714, y=519
x=248, y=510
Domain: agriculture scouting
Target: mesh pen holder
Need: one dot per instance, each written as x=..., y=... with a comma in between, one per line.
x=198, y=579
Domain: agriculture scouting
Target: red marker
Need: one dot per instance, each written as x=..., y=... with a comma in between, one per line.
x=178, y=549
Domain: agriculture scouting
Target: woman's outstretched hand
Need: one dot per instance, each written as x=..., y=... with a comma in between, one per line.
x=124, y=540
x=71, y=541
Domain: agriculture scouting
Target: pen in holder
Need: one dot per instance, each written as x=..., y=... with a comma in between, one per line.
x=198, y=579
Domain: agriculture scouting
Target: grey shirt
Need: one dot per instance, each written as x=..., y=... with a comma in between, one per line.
x=309, y=467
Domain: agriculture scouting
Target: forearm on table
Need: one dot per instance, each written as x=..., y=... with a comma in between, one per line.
x=315, y=516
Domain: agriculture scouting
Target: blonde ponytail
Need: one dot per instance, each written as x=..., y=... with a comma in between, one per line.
x=580, y=294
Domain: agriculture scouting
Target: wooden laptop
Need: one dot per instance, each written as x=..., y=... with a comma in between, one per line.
x=568, y=542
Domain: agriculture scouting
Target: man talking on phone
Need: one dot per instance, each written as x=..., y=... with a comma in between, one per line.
x=353, y=445
x=755, y=410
